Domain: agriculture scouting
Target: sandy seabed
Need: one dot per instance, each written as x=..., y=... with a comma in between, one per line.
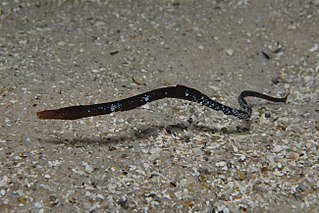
x=169, y=155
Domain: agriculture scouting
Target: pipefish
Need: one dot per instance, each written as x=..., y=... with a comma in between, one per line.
x=178, y=92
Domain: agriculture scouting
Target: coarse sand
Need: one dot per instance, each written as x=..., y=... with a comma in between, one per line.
x=169, y=155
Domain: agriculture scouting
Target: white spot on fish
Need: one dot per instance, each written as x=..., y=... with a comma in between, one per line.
x=113, y=107
x=146, y=98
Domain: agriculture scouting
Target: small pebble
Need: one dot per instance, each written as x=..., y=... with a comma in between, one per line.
x=277, y=148
x=221, y=164
x=198, y=151
x=155, y=150
x=242, y=158
x=314, y=48
x=88, y=168
x=229, y=51
x=38, y=205
x=239, y=175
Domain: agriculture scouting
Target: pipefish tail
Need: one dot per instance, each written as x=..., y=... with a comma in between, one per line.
x=178, y=92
